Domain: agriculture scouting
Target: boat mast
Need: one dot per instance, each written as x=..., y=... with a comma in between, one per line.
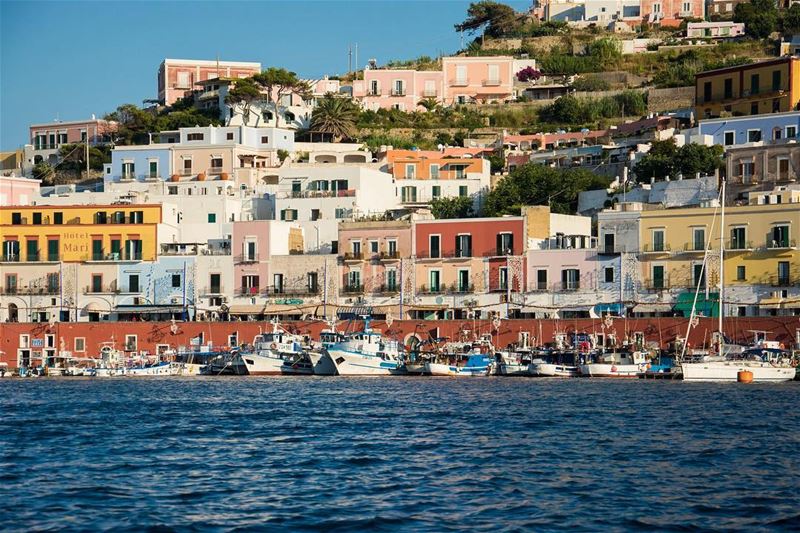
x=722, y=268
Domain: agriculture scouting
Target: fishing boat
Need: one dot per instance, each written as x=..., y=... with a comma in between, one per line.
x=367, y=353
x=614, y=364
x=321, y=362
x=475, y=359
x=555, y=364
x=512, y=363
x=271, y=351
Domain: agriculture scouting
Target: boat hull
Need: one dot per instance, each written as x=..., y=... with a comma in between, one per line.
x=550, y=370
x=727, y=371
x=322, y=364
x=607, y=370
x=357, y=364
x=260, y=365
x=416, y=369
x=513, y=369
x=438, y=369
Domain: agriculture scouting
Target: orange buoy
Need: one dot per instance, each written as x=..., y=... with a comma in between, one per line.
x=744, y=376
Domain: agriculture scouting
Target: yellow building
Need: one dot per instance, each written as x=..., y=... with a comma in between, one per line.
x=74, y=233
x=764, y=87
x=760, y=245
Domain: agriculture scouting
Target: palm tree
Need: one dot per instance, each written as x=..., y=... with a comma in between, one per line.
x=334, y=116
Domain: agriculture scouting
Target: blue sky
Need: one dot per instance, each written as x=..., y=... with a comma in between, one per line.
x=67, y=60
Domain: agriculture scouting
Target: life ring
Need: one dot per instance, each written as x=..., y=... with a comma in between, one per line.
x=273, y=346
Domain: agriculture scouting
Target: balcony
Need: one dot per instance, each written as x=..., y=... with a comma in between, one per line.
x=387, y=290
x=373, y=93
x=352, y=289
x=499, y=253
x=459, y=82
x=112, y=257
x=389, y=256
x=214, y=290
x=429, y=93
x=292, y=291
x=247, y=291
x=111, y=288
x=569, y=286
x=694, y=247
x=398, y=92
x=783, y=281
x=431, y=290
x=539, y=286
x=246, y=258
x=783, y=244
x=656, y=284
x=610, y=249
x=491, y=83
x=344, y=193
x=354, y=256
x=657, y=248
x=455, y=288
x=737, y=245
x=216, y=170
x=10, y=258
x=32, y=291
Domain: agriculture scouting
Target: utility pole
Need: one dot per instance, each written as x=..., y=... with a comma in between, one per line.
x=356, y=65
x=349, y=59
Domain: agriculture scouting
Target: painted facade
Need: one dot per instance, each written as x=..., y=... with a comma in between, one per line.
x=733, y=131
x=16, y=190
x=177, y=77
x=47, y=139
x=398, y=89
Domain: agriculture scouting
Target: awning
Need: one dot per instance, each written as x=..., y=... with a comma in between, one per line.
x=149, y=309
x=652, y=308
x=779, y=303
x=247, y=309
x=94, y=307
x=607, y=309
x=534, y=309
x=707, y=307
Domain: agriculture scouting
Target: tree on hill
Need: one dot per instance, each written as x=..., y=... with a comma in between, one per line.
x=759, y=16
x=494, y=18
x=533, y=184
x=243, y=95
x=334, y=116
x=666, y=159
x=279, y=82
x=453, y=207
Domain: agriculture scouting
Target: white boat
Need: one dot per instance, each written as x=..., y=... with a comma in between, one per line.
x=321, y=362
x=763, y=371
x=367, y=353
x=4, y=370
x=477, y=364
x=272, y=350
x=554, y=365
x=615, y=365
x=512, y=363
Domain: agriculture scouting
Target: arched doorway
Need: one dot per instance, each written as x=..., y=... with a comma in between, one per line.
x=13, y=313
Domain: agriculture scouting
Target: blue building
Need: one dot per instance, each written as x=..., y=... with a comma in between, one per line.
x=731, y=131
x=139, y=163
x=162, y=289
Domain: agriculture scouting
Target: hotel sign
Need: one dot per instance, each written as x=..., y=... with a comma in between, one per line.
x=75, y=241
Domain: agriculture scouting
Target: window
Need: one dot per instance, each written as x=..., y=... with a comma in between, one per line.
x=776, y=80
x=609, y=246
x=80, y=344
x=746, y=168
x=753, y=136
x=187, y=166
x=354, y=279
x=698, y=275
x=391, y=280
x=215, y=283
x=463, y=280
x=687, y=7
x=52, y=249
x=116, y=249
x=658, y=277
x=754, y=108
x=32, y=250
x=408, y=194
x=133, y=249
x=11, y=251
x=780, y=237
x=229, y=136
x=436, y=192
x=216, y=163
x=464, y=246
x=461, y=172
x=97, y=283
x=783, y=273
x=608, y=274
x=434, y=172
x=131, y=344
x=435, y=279
x=212, y=218
x=176, y=281
x=11, y=283
x=137, y=217
x=16, y=219
x=194, y=137
x=570, y=279
x=52, y=282
x=373, y=247
x=698, y=239
x=730, y=138
x=250, y=251
x=172, y=189
x=658, y=240
x=37, y=219
x=133, y=283
x=434, y=246
x=740, y=273
x=463, y=192
x=250, y=284
x=738, y=236
x=494, y=74
x=315, y=214
x=754, y=83
x=355, y=246
x=392, y=246
x=341, y=212
x=706, y=86
x=783, y=169
x=277, y=283
x=152, y=169
x=374, y=90
x=58, y=218
x=541, y=280
x=264, y=139
x=411, y=171
x=289, y=215
x=791, y=132
x=505, y=244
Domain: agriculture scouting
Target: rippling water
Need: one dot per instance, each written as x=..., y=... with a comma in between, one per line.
x=329, y=454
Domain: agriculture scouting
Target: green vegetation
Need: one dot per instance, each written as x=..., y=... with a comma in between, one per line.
x=590, y=83
x=494, y=18
x=267, y=88
x=534, y=184
x=759, y=16
x=135, y=124
x=681, y=70
x=455, y=207
x=335, y=117
x=666, y=159
x=576, y=111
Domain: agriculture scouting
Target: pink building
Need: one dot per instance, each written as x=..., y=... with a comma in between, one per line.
x=254, y=243
x=177, y=77
x=15, y=190
x=48, y=138
x=370, y=253
x=480, y=79
x=397, y=89
x=671, y=12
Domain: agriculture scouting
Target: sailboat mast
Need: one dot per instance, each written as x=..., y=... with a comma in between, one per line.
x=722, y=266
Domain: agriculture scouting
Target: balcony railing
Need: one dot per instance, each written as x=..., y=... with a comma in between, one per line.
x=247, y=291
x=212, y=290
x=736, y=244
x=353, y=256
x=387, y=289
x=491, y=83
x=459, y=82
x=610, y=249
x=656, y=248
x=111, y=288
x=398, y=92
x=431, y=290
x=343, y=193
x=783, y=281
x=694, y=247
x=10, y=258
x=429, y=93
x=292, y=291
x=246, y=258
x=656, y=284
x=499, y=253
x=352, y=289
x=112, y=257
x=31, y=291
x=456, y=288
x=373, y=93
x=539, y=286
x=389, y=255
x=783, y=244
x=569, y=286
x=216, y=170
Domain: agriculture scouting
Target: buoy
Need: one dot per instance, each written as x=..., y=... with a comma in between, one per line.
x=744, y=376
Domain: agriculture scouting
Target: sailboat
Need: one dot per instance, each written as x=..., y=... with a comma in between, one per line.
x=765, y=365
